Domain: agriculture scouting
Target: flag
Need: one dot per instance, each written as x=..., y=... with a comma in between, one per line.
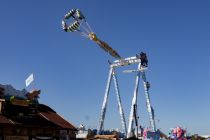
x=29, y=80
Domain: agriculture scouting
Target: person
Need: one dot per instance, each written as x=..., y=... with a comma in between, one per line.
x=141, y=131
x=144, y=60
x=143, y=57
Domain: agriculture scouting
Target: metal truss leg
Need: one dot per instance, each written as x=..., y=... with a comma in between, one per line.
x=133, y=107
x=149, y=107
x=122, y=116
x=104, y=105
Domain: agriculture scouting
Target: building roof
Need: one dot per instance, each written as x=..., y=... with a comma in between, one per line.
x=52, y=116
x=43, y=116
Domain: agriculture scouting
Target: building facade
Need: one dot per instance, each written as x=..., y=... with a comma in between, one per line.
x=25, y=120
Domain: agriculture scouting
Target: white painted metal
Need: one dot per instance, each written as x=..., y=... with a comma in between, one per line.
x=122, y=116
x=130, y=132
x=117, y=63
x=126, y=61
x=141, y=70
x=149, y=107
x=133, y=112
x=104, y=105
x=105, y=102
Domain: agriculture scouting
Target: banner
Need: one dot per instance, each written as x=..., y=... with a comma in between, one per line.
x=29, y=80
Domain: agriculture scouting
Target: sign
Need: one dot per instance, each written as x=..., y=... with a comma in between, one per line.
x=19, y=102
x=29, y=80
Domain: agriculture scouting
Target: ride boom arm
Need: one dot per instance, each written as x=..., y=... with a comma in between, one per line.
x=104, y=46
x=79, y=24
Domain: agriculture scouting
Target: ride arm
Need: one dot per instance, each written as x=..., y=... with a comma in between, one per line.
x=104, y=46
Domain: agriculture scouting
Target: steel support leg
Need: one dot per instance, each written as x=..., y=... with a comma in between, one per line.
x=149, y=107
x=122, y=116
x=134, y=104
x=104, y=105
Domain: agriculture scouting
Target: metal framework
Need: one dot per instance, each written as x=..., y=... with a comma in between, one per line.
x=133, y=112
x=141, y=60
x=112, y=75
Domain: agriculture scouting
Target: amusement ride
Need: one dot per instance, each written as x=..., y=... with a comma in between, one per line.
x=75, y=21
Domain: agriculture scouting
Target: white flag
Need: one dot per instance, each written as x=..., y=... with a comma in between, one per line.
x=29, y=80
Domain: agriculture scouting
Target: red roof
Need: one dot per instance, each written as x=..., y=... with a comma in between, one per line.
x=45, y=116
x=56, y=119
x=50, y=115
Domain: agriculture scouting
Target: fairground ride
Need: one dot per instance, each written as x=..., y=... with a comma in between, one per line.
x=75, y=21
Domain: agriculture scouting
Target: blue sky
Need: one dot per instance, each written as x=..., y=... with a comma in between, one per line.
x=72, y=71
